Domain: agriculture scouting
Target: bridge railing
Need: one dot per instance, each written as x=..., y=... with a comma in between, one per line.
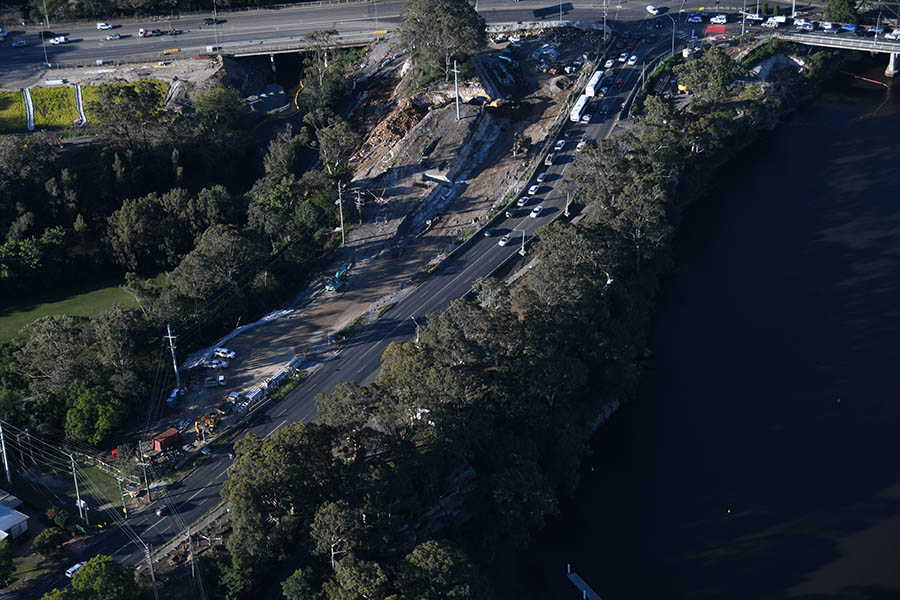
x=832, y=41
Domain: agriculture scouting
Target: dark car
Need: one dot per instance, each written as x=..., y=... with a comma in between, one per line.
x=630, y=47
x=604, y=110
x=619, y=83
x=659, y=25
x=608, y=81
x=208, y=21
x=489, y=232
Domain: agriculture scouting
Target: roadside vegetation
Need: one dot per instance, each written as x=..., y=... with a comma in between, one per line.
x=54, y=106
x=408, y=487
x=91, y=94
x=13, y=115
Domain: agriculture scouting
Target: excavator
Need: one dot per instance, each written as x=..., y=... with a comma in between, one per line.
x=208, y=422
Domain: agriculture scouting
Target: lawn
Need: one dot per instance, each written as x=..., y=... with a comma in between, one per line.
x=54, y=107
x=13, y=116
x=91, y=93
x=83, y=303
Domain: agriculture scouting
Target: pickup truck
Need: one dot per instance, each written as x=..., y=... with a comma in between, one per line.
x=149, y=32
x=60, y=39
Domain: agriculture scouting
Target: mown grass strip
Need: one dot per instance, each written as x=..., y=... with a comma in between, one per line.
x=90, y=94
x=13, y=116
x=54, y=107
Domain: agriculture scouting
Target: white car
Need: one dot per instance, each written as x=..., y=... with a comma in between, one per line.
x=633, y=60
x=19, y=43
x=70, y=572
x=695, y=19
x=754, y=17
x=113, y=36
x=623, y=57
x=534, y=190
x=541, y=177
x=549, y=160
x=60, y=39
x=894, y=35
x=559, y=145
x=719, y=20
x=652, y=9
x=609, y=64
x=103, y=26
x=580, y=145
x=224, y=353
x=827, y=26
x=215, y=364
x=504, y=240
x=536, y=211
x=524, y=199
x=586, y=118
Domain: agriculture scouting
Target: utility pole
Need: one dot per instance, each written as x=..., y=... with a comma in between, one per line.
x=359, y=204
x=5, y=462
x=43, y=41
x=171, y=339
x=793, y=8
x=152, y=575
x=147, y=482
x=744, y=18
x=456, y=85
x=605, y=10
x=340, y=203
x=560, y=11
x=122, y=495
x=77, y=495
x=191, y=550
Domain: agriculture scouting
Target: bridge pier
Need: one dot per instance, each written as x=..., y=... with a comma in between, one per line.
x=892, y=68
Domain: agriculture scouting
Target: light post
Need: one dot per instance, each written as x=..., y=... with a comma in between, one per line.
x=566, y=212
x=522, y=249
x=417, y=328
x=744, y=18
x=671, y=18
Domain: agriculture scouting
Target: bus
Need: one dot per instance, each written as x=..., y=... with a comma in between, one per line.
x=593, y=85
x=578, y=109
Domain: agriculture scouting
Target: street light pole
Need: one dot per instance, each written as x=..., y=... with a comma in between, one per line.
x=417, y=328
x=744, y=18
x=671, y=18
x=522, y=249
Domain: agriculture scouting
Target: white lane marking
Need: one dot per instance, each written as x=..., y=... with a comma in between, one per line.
x=276, y=429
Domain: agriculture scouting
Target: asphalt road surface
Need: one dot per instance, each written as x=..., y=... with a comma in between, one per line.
x=360, y=359
x=271, y=27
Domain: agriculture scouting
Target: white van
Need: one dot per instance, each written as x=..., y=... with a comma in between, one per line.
x=70, y=572
x=652, y=9
x=719, y=20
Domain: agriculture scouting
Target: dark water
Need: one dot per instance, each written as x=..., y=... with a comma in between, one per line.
x=761, y=458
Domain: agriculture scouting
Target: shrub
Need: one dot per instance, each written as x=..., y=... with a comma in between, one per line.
x=13, y=116
x=49, y=541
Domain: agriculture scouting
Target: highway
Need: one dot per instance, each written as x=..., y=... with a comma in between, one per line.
x=263, y=27
x=360, y=359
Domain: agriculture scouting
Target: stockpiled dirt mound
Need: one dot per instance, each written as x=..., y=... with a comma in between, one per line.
x=386, y=133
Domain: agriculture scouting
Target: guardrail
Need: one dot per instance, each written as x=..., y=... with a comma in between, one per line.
x=832, y=41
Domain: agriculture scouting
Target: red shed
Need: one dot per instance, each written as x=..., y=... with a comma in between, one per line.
x=167, y=438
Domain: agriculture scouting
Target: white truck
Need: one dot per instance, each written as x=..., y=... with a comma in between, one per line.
x=60, y=39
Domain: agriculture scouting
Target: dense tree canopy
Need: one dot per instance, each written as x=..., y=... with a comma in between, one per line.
x=437, y=31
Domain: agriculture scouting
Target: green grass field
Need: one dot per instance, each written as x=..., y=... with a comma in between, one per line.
x=86, y=303
x=13, y=116
x=54, y=107
x=90, y=94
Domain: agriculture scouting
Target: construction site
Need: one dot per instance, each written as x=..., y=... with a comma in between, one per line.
x=428, y=172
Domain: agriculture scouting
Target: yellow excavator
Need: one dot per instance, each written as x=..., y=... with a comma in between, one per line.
x=209, y=421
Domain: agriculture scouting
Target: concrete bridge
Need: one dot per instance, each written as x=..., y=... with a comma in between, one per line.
x=832, y=40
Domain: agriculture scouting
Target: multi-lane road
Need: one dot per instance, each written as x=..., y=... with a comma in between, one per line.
x=360, y=359
x=270, y=28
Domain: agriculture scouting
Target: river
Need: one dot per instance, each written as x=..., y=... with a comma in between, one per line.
x=759, y=459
